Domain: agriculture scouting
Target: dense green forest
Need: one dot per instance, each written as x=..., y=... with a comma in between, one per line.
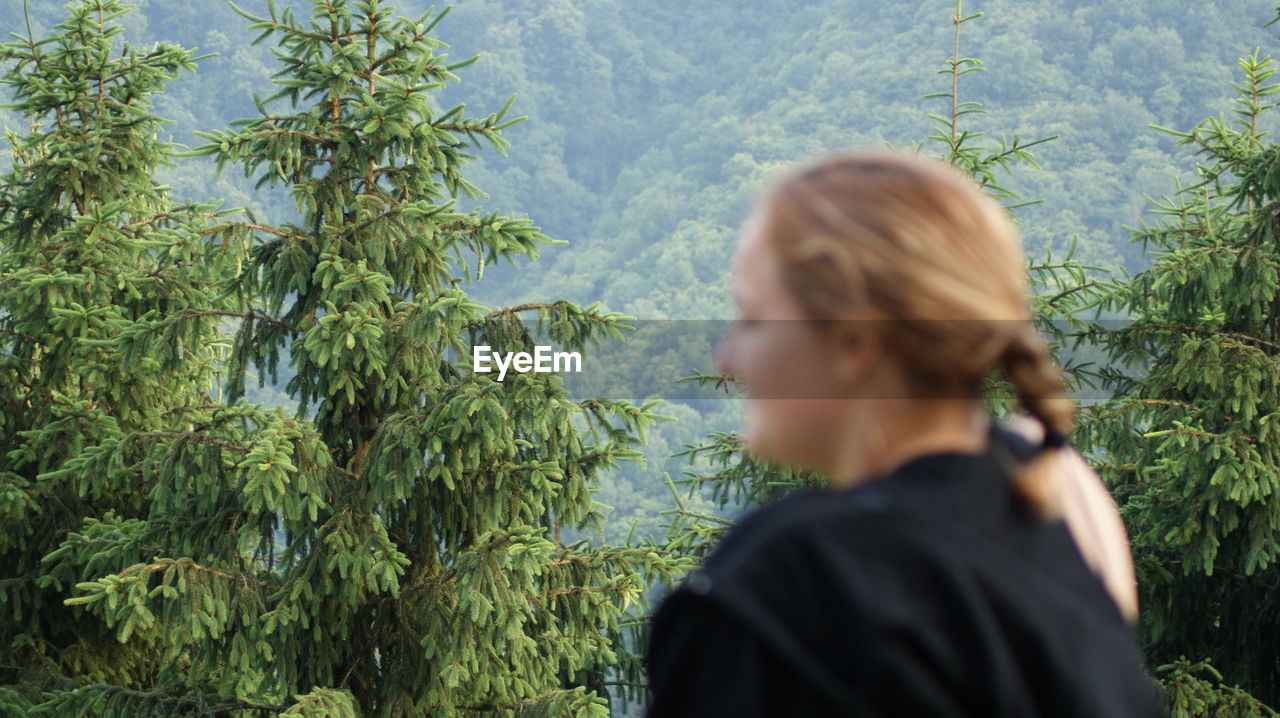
x=649, y=128
x=650, y=124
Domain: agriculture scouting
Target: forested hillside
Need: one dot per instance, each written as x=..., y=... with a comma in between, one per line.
x=651, y=123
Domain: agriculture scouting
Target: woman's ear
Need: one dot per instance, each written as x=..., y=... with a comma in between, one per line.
x=856, y=352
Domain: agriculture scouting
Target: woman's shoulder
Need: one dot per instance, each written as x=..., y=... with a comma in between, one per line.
x=870, y=511
x=783, y=575
x=809, y=535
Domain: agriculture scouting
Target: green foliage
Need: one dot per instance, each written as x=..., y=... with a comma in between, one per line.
x=980, y=163
x=1191, y=449
x=395, y=553
x=1189, y=694
x=108, y=338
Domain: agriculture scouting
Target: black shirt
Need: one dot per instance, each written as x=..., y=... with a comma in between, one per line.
x=928, y=592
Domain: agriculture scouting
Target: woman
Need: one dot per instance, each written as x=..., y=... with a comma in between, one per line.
x=954, y=566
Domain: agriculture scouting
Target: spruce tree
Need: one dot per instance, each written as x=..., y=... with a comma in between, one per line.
x=92, y=252
x=394, y=549
x=1191, y=445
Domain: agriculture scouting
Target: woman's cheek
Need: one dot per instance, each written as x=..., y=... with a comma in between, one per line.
x=753, y=432
x=765, y=377
x=784, y=430
x=766, y=431
x=790, y=409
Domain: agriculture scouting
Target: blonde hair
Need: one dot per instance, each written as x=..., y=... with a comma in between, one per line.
x=915, y=241
x=1091, y=514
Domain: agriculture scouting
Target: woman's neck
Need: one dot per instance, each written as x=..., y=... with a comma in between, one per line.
x=882, y=434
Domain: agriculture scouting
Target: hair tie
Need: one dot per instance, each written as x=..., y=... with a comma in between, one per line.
x=1053, y=439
